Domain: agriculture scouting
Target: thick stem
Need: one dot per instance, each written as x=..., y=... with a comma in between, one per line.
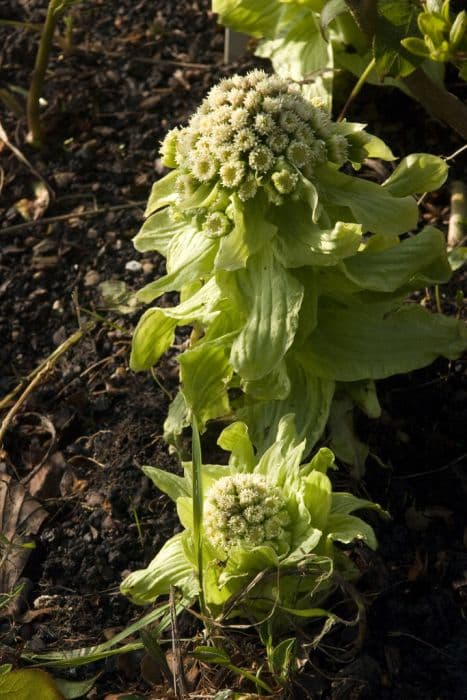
x=436, y=99
x=458, y=218
x=38, y=75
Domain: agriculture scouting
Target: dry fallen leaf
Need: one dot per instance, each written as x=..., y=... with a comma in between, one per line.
x=20, y=517
x=33, y=209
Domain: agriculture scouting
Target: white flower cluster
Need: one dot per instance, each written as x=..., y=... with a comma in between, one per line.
x=245, y=510
x=252, y=131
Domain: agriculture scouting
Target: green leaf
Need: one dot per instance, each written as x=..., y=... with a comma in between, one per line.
x=321, y=462
x=396, y=20
x=163, y=192
x=158, y=231
x=211, y=655
x=256, y=17
x=331, y=10
x=281, y=461
x=168, y=568
x=271, y=298
x=420, y=260
x=235, y=439
x=160, y=616
x=358, y=138
x=74, y=689
x=153, y=335
x=343, y=438
x=173, y=485
x=309, y=399
x=367, y=203
x=309, y=613
x=205, y=372
x=301, y=242
x=317, y=498
x=178, y=418
x=417, y=173
x=298, y=51
x=190, y=257
x=364, y=395
x=283, y=658
x=366, y=342
x=346, y=503
x=243, y=562
x=116, y=296
x=416, y=45
x=250, y=234
x=347, y=528
x=28, y=684
x=457, y=257
x=185, y=515
x=275, y=385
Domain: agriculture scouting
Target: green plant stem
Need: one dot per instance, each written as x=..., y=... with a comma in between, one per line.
x=38, y=75
x=198, y=509
x=358, y=86
x=439, y=308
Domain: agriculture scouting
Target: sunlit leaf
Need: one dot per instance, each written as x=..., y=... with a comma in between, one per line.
x=28, y=684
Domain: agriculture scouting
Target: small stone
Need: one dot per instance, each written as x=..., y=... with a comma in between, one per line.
x=133, y=266
x=148, y=267
x=63, y=179
x=91, y=278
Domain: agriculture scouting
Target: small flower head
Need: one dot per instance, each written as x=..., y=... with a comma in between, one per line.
x=252, y=100
x=245, y=510
x=226, y=152
x=169, y=149
x=284, y=181
x=318, y=151
x=221, y=134
x=185, y=185
x=248, y=188
x=203, y=167
x=239, y=117
x=236, y=97
x=264, y=123
x=337, y=148
x=261, y=159
x=298, y=153
x=278, y=141
x=245, y=140
x=216, y=225
x=289, y=121
x=320, y=121
x=232, y=173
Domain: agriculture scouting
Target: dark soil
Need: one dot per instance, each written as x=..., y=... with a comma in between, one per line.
x=136, y=70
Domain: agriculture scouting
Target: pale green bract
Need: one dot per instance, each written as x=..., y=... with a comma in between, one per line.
x=291, y=271
x=269, y=531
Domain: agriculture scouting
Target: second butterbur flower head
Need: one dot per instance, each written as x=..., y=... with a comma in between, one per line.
x=244, y=509
x=252, y=131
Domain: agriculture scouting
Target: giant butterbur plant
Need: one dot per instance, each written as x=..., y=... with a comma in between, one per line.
x=292, y=272
x=269, y=528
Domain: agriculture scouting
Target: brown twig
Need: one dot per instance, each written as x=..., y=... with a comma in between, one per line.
x=23, y=159
x=35, y=378
x=66, y=217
